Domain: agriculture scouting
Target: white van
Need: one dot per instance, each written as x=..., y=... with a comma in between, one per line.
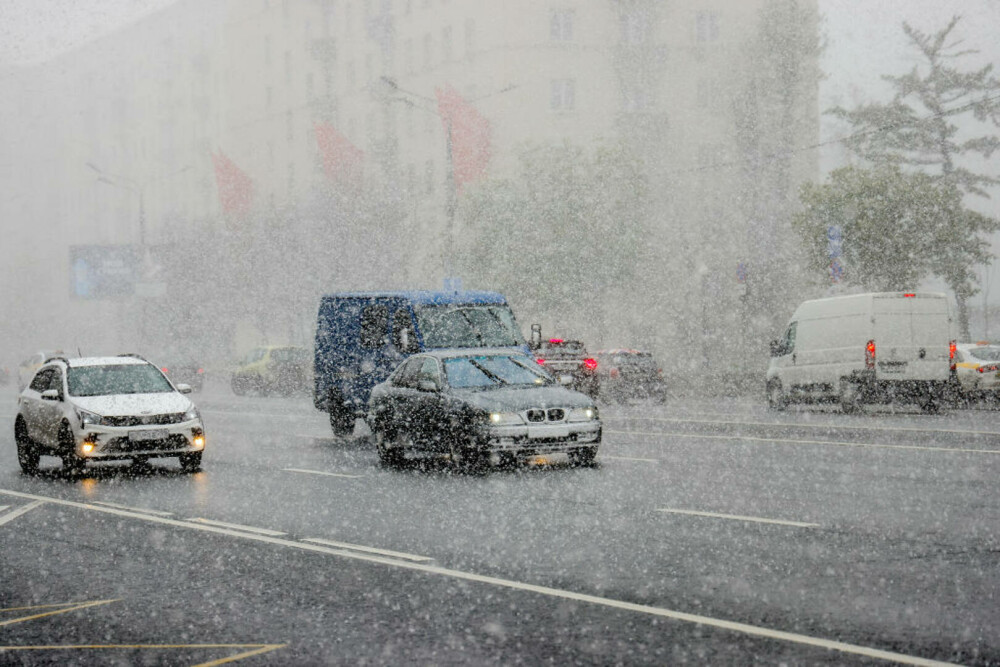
x=864, y=348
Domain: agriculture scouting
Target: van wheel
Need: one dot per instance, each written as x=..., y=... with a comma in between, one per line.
x=342, y=423
x=775, y=397
x=850, y=399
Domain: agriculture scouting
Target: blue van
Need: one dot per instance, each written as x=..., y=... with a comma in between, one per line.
x=362, y=336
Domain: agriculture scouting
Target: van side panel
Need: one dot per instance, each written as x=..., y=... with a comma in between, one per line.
x=832, y=334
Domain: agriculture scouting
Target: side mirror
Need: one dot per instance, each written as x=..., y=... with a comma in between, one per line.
x=184, y=388
x=427, y=385
x=50, y=395
x=777, y=349
x=535, y=341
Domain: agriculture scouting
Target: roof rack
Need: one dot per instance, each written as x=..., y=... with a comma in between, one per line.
x=57, y=358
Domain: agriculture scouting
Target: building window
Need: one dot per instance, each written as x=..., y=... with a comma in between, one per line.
x=561, y=25
x=446, y=44
x=563, y=95
x=706, y=26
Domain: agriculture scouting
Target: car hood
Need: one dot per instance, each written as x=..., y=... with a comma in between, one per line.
x=122, y=405
x=516, y=399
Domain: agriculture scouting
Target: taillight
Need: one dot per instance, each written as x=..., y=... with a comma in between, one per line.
x=540, y=361
x=591, y=364
x=987, y=369
x=909, y=295
x=164, y=369
x=555, y=341
x=951, y=354
x=870, y=354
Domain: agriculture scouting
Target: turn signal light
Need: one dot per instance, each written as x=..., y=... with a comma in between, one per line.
x=87, y=447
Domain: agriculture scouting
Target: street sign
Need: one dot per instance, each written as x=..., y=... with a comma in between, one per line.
x=102, y=271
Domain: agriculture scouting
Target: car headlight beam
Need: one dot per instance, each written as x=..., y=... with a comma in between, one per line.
x=88, y=418
x=505, y=419
x=582, y=414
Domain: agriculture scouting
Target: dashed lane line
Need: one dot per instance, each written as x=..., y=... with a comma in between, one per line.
x=237, y=526
x=373, y=550
x=787, y=441
x=737, y=517
x=134, y=509
x=697, y=619
x=18, y=511
x=321, y=472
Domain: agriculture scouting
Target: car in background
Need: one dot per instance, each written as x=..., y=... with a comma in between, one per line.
x=627, y=374
x=273, y=369
x=27, y=368
x=977, y=371
x=569, y=362
x=477, y=404
x=105, y=408
x=184, y=371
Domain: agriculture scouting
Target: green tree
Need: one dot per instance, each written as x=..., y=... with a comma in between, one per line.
x=566, y=230
x=917, y=130
x=891, y=226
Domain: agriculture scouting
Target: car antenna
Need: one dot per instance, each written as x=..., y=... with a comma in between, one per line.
x=78, y=352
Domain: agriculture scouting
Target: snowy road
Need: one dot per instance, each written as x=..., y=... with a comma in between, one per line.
x=711, y=532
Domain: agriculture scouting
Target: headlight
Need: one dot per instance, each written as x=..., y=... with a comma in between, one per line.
x=193, y=413
x=582, y=414
x=505, y=419
x=88, y=418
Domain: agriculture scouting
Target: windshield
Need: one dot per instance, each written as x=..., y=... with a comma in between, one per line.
x=494, y=371
x=985, y=353
x=117, y=379
x=468, y=326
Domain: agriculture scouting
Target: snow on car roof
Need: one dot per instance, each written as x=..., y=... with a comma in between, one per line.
x=106, y=361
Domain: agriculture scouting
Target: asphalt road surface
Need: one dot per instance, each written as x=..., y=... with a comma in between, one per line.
x=710, y=532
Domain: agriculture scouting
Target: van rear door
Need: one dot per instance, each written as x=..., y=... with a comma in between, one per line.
x=911, y=333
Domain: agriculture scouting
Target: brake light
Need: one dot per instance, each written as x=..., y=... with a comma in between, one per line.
x=591, y=364
x=951, y=355
x=870, y=354
x=555, y=340
x=164, y=369
x=910, y=295
x=988, y=369
x=540, y=361
x=201, y=370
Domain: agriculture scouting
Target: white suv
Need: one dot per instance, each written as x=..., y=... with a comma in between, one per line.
x=105, y=408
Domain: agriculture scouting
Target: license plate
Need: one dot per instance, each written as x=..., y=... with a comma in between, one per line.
x=151, y=434
x=566, y=379
x=540, y=432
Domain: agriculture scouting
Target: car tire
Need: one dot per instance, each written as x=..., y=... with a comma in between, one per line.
x=585, y=457
x=390, y=453
x=238, y=385
x=775, y=397
x=71, y=461
x=27, y=453
x=341, y=420
x=190, y=462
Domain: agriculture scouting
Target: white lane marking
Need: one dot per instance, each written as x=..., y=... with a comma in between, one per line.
x=846, y=427
x=787, y=441
x=737, y=517
x=733, y=626
x=134, y=509
x=18, y=511
x=629, y=458
x=373, y=550
x=320, y=472
x=236, y=526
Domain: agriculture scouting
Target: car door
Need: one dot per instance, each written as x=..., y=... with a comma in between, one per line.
x=401, y=398
x=51, y=412
x=31, y=402
x=430, y=418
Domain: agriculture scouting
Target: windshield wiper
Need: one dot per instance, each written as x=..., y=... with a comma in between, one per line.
x=488, y=373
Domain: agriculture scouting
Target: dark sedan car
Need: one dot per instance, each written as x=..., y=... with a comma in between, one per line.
x=630, y=375
x=480, y=406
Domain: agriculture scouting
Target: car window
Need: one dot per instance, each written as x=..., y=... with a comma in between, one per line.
x=404, y=337
x=117, y=379
x=41, y=380
x=429, y=371
x=56, y=380
x=406, y=375
x=959, y=357
x=374, y=326
x=985, y=353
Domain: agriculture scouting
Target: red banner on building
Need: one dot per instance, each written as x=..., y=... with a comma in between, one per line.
x=343, y=162
x=470, y=136
x=235, y=187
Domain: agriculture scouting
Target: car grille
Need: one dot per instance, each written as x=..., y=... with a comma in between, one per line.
x=144, y=420
x=539, y=415
x=119, y=445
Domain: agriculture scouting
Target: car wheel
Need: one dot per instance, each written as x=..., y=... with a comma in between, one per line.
x=71, y=461
x=389, y=448
x=583, y=457
x=341, y=421
x=27, y=453
x=775, y=397
x=238, y=385
x=190, y=462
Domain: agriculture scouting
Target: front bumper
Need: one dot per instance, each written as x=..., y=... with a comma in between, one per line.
x=94, y=442
x=525, y=440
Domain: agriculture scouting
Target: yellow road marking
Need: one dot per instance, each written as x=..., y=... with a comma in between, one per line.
x=255, y=649
x=266, y=648
x=661, y=612
x=82, y=605
x=41, y=606
x=787, y=441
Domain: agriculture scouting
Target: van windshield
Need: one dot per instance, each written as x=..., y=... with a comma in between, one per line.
x=468, y=326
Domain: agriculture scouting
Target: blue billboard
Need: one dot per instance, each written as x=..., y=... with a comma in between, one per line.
x=103, y=271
